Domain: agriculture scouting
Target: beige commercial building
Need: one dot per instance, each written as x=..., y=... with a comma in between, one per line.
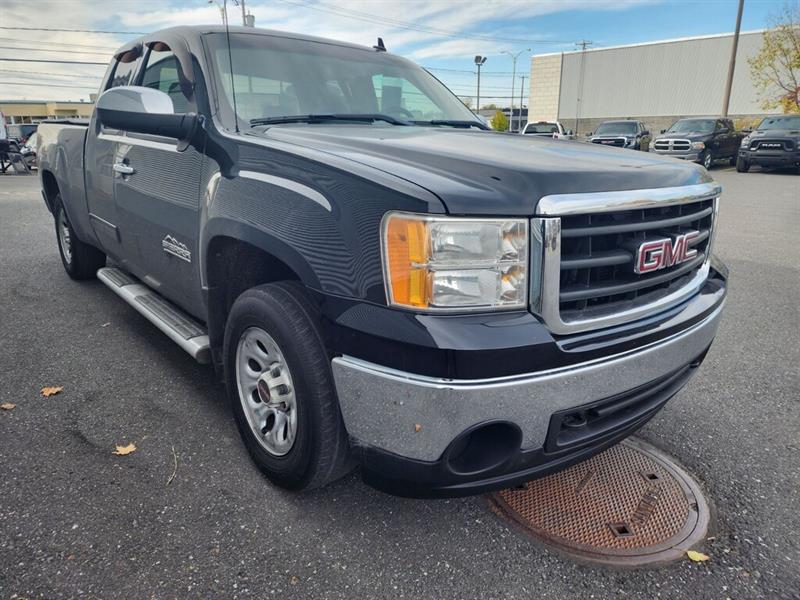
x=655, y=82
x=31, y=111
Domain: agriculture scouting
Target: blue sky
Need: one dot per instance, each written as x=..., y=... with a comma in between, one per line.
x=443, y=35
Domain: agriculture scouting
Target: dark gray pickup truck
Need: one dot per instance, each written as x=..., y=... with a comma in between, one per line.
x=378, y=280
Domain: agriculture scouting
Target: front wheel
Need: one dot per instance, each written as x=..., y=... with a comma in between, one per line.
x=742, y=166
x=281, y=388
x=708, y=160
x=81, y=261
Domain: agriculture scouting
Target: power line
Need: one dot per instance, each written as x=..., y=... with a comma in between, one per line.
x=34, y=73
x=79, y=87
x=61, y=62
x=52, y=50
x=75, y=30
x=49, y=43
x=371, y=18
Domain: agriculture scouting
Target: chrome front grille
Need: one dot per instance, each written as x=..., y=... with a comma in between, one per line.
x=671, y=145
x=585, y=279
x=610, y=141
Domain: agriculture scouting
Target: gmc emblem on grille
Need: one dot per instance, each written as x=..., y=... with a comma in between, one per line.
x=652, y=255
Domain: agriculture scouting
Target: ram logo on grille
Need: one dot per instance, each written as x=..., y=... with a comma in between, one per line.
x=653, y=255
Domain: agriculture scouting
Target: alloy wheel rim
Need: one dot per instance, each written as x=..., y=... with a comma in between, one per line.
x=64, y=237
x=707, y=161
x=266, y=391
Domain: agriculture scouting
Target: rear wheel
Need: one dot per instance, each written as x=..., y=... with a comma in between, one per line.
x=742, y=165
x=281, y=388
x=708, y=160
x=81, y=261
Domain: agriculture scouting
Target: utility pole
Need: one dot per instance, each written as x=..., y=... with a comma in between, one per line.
x=521, y=92
x=479, y=62
x=583, y=44
x=729, y=83
x=514, y=58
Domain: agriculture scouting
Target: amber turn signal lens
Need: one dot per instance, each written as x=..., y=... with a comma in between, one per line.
x=407, y=252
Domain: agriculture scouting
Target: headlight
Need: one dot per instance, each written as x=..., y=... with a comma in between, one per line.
x=698, y=145
x=444, y=263
x=745, y=142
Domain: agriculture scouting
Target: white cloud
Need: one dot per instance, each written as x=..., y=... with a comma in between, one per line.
x=328, y=18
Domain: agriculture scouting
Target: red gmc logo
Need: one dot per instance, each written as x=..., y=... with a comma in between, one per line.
x=653, y=255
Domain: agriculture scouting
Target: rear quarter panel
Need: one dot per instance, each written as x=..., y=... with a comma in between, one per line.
x=60, y=154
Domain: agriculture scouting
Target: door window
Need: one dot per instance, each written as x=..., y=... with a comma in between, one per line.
x=393, y=93
x=163, y=73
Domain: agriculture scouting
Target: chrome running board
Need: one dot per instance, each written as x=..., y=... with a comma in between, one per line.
x=171, y=320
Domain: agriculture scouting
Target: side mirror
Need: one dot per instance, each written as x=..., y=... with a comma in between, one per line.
x=646, y=132
x=569, y=132
x=145, y=110
x=723, y=130
x=663, y=131
x=747, y=130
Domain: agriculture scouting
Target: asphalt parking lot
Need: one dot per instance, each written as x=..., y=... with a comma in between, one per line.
x=77, y=521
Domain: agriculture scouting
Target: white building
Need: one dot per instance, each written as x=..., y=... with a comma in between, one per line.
x=656, y=82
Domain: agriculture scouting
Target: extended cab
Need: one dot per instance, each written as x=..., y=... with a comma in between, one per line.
x=378, y=279
x=702, y=140
x=552, y=129
x=774, y=143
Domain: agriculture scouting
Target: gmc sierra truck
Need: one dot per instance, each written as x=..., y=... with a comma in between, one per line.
x=378, y=279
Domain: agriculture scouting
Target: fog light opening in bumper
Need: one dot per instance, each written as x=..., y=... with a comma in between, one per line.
x=483, y=448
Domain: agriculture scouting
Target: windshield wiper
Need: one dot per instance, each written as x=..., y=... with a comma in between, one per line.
x=364, y=117
x=454, y=123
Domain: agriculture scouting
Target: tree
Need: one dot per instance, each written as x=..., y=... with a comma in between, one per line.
x=489, y=107
x=466, y=101
x=499, y=121
x=775, y=70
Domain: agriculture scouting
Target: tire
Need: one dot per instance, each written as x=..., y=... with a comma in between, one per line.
x=742, y=166
x=81, y=260
x=708, y=160
x=281, y=391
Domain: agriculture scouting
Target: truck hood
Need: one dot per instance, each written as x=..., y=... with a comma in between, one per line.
x=691, y=136
x=775, y=133
x=491, y=173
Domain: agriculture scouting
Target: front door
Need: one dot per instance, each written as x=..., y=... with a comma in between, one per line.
x=100, y=163
x=157, y=199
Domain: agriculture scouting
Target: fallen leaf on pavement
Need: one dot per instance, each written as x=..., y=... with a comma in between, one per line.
x=697, y=556
x=124, y=450
x=7, y=405
x=294, y=580
x=417, y=428
x=52, y=391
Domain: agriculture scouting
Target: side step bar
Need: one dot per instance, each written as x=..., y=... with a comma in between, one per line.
x=171, y=320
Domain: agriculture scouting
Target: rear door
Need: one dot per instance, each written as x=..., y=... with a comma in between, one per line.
x=158, y=200
x=102, y=145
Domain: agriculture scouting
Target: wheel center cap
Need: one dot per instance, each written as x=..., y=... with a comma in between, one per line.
x=263, y=391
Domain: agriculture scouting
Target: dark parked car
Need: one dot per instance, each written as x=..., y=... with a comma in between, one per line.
x=378, y=278
x=774, y=143
x=622, y=134
x=702, y=140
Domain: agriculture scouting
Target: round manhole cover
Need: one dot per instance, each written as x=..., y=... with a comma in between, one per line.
x=627, y=506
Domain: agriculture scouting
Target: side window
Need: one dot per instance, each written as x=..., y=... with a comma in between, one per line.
x=162, y=73
x=125, y=69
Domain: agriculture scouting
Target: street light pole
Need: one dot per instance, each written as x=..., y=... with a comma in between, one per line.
x=521, y=92
x=514, y=58
x=729, y=83
x=479, y=62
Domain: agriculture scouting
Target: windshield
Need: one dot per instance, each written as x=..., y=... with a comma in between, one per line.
x=617, y=128
x=542, y=128
x=779, y=123
x=693, y=126
x=279, y=77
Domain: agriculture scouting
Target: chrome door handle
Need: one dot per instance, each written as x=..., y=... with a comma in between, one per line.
x=124, y=169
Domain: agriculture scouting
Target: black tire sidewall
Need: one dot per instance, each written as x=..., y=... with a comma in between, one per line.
x=58, y=208
x=313, y=388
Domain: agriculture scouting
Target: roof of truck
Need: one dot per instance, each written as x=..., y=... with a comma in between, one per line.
x=188, y=31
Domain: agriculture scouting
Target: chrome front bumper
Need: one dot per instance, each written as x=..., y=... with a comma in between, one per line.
x=417, y=417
